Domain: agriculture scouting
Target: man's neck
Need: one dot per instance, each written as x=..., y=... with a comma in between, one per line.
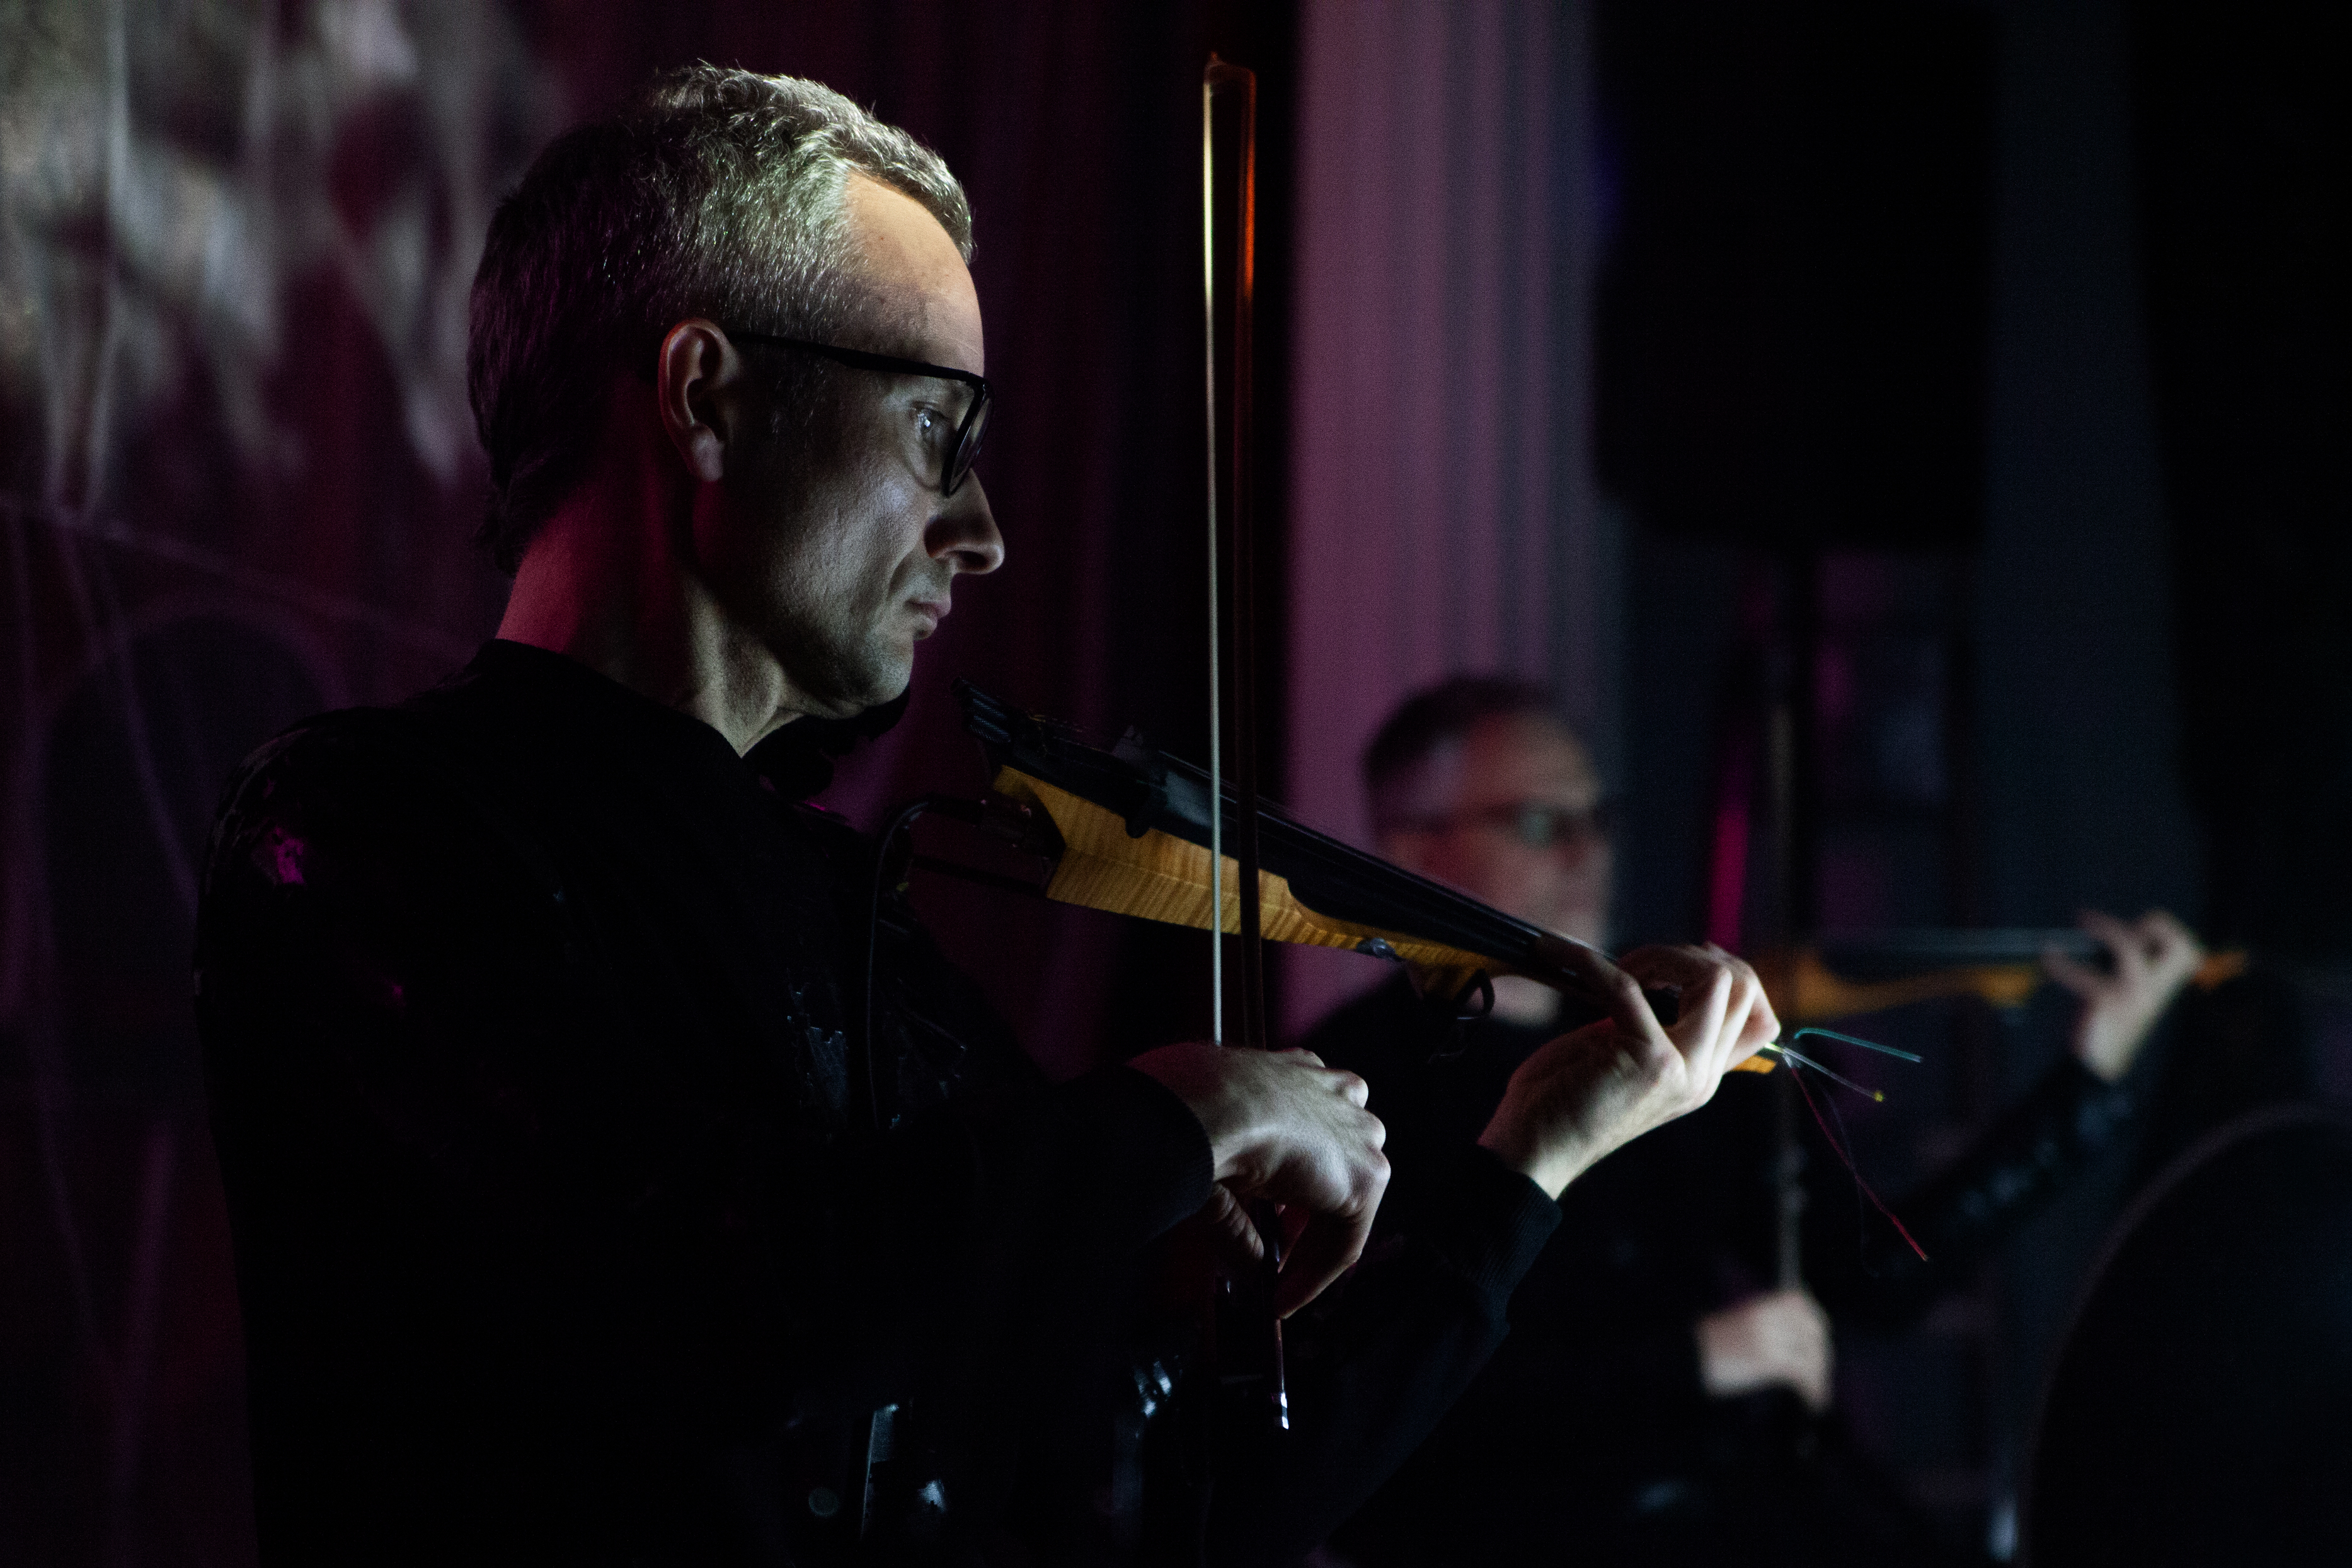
x=603, y=582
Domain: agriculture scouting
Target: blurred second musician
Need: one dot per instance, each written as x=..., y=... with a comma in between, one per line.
x=1628, y=1417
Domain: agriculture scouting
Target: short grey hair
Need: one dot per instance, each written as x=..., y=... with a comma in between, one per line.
x=711, y=192
x=1431, y=721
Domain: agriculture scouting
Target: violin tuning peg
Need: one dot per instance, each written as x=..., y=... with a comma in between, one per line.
x=1015, y=823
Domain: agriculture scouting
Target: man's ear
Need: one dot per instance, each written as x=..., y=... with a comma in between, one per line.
x=701, y=383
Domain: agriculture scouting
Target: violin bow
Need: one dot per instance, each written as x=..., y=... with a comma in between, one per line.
x=1222, y=77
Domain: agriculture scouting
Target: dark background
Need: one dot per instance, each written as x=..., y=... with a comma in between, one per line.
x=2082, y=267
x=2006, y=343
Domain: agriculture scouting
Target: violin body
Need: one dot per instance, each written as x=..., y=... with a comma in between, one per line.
x=2001, y=968
x=1128, y=831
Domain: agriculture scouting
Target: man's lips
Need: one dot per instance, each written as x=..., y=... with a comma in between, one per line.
x=933, y=611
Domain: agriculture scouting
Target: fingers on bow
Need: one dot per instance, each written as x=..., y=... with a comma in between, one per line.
x=1234, y=1233
x=1347, y=1085
x=1326, y=1249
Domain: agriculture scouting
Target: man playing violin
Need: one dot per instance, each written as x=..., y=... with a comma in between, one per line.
x=608, y=1184
x=1650, y=1314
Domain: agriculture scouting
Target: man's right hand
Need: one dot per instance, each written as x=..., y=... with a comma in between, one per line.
x=1284, y=1127
x=1781, y=1339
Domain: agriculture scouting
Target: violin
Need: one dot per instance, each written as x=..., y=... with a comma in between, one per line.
x=1131, y=832
x=1138, y=833
x=1999, y=967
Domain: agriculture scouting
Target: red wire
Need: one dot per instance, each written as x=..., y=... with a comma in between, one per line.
x=1798, y=1079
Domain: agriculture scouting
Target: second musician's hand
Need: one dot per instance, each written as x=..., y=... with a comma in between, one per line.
x=2155, y=957
x=1780, y=1339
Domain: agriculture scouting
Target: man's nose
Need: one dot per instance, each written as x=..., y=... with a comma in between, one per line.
x=964, y=533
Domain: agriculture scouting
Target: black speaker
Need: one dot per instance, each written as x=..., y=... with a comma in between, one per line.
x=1793, y=336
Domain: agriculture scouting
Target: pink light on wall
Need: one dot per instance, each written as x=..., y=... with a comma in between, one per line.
x=1443, y=517
x=1726, y=879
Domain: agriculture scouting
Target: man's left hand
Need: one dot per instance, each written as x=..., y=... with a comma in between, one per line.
x=1604, y=1085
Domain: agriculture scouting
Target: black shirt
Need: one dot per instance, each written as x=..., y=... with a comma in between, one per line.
x=533, y=1020
x=1590, y=1432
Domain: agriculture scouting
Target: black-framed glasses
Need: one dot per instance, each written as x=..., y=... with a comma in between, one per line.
x=967, y=430
x=1531, y=823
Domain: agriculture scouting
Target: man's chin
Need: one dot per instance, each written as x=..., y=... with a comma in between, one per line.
x=852, y=686
x=880, y=681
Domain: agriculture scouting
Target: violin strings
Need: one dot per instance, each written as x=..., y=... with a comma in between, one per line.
x=1857, y=1040
x=1785, y=1054
x=1846, y=1157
